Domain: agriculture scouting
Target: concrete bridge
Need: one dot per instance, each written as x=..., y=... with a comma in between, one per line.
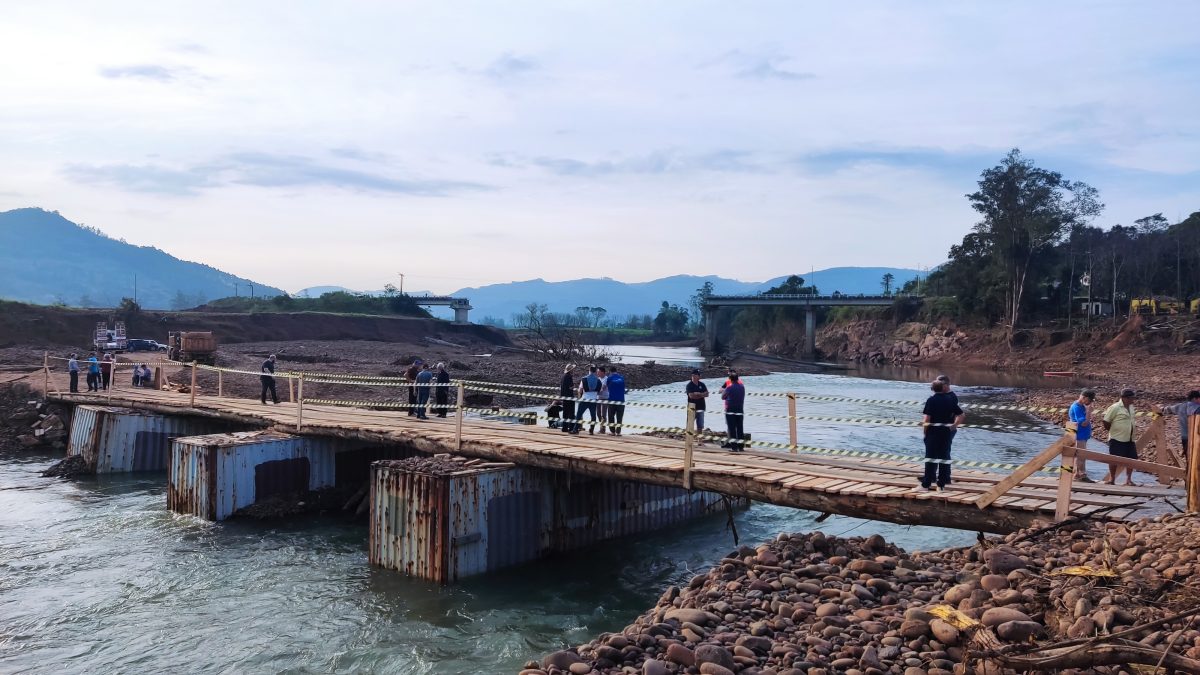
x=460, y=305
x=714, y=303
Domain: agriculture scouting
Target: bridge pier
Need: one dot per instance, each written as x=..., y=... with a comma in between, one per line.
x=121, y=440
x=810, y=334
x=710, y=331
x=443, y=523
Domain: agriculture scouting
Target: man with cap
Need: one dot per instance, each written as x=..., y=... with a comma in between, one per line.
x=1079, y=422
x=696, y=393
x=268, y=380
x=1118, y=419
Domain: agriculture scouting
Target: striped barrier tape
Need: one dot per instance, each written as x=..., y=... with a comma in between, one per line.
x=508, y=413
x=397, y=405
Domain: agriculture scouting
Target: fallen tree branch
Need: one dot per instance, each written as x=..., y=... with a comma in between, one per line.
x=1073, y=520
x=1105, y=654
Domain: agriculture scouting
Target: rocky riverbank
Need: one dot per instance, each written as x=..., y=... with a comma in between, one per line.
x=1078, y=598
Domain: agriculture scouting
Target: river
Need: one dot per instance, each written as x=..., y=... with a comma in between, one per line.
x=98, y=576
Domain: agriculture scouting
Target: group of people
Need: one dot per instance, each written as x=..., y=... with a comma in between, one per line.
x=601, y=395
x=733, y=393
x=1118, y=420
x=99, y=372
x=421, y=377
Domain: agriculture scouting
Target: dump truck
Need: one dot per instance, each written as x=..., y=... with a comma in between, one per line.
x=110, y=340
x=198, y=346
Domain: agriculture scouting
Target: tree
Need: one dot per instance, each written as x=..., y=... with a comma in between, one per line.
x=389, y=290
x=886, y=282
x=597, y=314
x=1026, y=210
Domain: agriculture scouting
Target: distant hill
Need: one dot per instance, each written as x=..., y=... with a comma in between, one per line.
x=502, y=301
x=45, y=258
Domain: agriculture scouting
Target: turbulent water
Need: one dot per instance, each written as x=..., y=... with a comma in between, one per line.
x=97, y=575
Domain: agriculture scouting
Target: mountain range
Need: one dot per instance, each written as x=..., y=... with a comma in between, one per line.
x=499, y=302
x=47, y=259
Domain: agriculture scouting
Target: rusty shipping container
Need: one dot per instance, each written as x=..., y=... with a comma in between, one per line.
x=213, y=476
x=114, y=440
x=447, y=527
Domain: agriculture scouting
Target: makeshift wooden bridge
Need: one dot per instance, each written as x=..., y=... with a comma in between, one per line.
x=864, y=487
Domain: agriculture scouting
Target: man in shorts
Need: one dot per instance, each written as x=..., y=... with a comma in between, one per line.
x=1118, y=419
x=696, y=393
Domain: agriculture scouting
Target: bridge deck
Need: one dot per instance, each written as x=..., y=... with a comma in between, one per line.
x=860, y=487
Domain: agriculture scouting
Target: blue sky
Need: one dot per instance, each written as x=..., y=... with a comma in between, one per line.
x=459, y=143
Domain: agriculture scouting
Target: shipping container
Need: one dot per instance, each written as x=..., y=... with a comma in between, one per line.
x=216, y=475
x=450, y=526
x=115, y=440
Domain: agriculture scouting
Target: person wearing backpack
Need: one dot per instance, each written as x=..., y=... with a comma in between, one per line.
x=589, y=391
x=616, y=401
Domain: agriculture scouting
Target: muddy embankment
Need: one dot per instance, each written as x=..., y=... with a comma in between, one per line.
x=58, y=326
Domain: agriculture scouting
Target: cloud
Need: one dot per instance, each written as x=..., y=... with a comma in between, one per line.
x=652, y=163
x=509, y=66
x=191, y=48
x=142, y=178
x=259, y=170
x=749, y=66
x=145, y=71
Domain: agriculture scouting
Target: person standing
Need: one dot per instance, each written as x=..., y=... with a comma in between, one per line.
x=73, y=373
x=566, y=389
x=940, y=409
x=1079, y=417
x=1185, y=411
x=589, y=391
x=147, y=376
x=734, y=396
x=411, y=376
x=602, y=397
x=93, y=374
x=106, y=366
x=616, y=401
x=268, y=380
x=423, y=379
x=1118, y=419
x=696, y=393
x=441, y=397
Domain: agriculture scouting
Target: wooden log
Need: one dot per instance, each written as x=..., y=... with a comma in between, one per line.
x=300, y=404
x=792, y=435
x=689, y=441
x=1062, y=504
x=1193, y=465
x=193, y=387
x=1028, y=469
x=1162, y=470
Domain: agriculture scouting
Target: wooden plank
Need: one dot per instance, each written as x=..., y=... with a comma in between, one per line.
x=1137, y=464
x=1028, y=469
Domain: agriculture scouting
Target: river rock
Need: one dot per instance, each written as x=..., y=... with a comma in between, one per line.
x=944, y=632
x=680, y=654
x=710, y=668
x=1002, y=562
x=998, y=615
x=914, y=628
x=993, y=582
x=713, y=654
x=561, y=660
x=580, y=669
x=653, y=667
x=689, y=615
x=755, y=643
x=865, y=567
x=1018, y=631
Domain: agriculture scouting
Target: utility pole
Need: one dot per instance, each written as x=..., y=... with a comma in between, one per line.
x=401, y=282
x=251, y=291
x=235, y=289
x=135, y=289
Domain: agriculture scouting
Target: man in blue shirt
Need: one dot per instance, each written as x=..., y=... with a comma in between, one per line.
x=1079, y=420
x=616, y=401
x=423, y=379
x=93, y=374
x=1185, y=411
x=734, y=395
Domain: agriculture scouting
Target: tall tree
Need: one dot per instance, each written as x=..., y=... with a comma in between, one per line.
x=886, y=282
x=1026, y=210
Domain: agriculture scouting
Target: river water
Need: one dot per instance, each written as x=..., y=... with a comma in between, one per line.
x=98, y=576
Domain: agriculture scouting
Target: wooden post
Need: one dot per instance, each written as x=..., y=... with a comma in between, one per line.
x=291, y=389
x=1066, y=477
x=1028, y=469
x=458, y=418
x=193, y=389
x=689, y=441
x=300, y=403
x=46, y=367
x=1193, y=465
x=792, y=421
x=220, y=383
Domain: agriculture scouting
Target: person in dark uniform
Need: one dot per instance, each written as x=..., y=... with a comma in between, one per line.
x=268, y=380
x=734, y=394
x=441, y=396
x=941, y=408
x=566, y=389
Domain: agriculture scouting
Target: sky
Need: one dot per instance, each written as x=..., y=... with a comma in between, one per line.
x=305, y=143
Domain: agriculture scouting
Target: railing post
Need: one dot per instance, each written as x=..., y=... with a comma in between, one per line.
x=46, y=367
x=792, y=421
x=689, y=440
x=1193, y=465
x=193, y=388
x=220, y=383
x=291, y=389
x=300, y=403
x=458, y=417
x=1066, y=477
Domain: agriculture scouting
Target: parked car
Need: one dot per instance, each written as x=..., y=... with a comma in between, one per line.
x=140, y=345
